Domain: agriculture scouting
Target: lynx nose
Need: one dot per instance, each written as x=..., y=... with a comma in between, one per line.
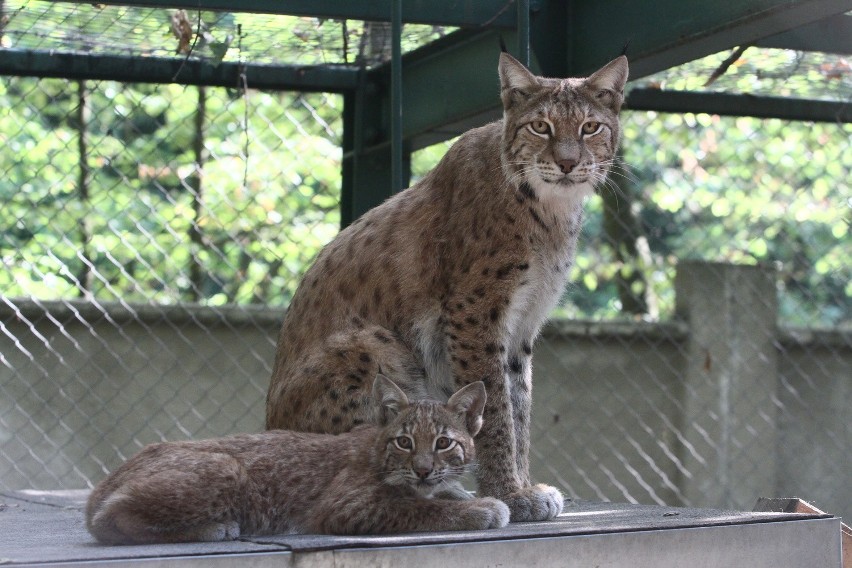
x=422, y=471
x=422, y=466
x=567, y=165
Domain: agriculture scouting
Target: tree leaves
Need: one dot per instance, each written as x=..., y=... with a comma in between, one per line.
x=140, y=211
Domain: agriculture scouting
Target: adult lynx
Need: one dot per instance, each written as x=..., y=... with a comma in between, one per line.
x=450, y=281
x=372, y=480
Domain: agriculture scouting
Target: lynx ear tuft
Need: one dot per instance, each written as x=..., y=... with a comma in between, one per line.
x=515, y=79
x=469, y=401
x=608, y=82
x=388, y=397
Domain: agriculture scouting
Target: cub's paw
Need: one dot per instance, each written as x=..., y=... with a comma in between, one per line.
x=537, y=503
x=483, y=513
x=215, y=532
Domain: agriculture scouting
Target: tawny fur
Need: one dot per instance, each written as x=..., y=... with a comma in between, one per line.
x=450, y=281
x=360, y=482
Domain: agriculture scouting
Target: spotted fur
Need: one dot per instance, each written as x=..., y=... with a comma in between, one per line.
x=450, y=281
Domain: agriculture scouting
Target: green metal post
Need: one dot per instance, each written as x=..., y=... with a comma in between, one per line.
x=524, y=32
x=396, y=97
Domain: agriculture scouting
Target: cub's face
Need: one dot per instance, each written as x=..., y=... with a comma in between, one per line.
x=425, y=447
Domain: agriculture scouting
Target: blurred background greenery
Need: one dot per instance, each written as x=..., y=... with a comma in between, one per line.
x=167, y=194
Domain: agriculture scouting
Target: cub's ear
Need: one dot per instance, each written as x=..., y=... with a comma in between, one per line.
x=607, y=84
x=388, y=397
x=515, y=79
x=469, y=402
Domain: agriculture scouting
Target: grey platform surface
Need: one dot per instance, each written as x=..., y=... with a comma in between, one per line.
x=47, y=528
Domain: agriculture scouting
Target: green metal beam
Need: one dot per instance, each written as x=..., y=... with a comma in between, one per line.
x=665, y=33
x=739, y=105
x=461, y=13
x=448, y=86
x=451, y=85
x=831, y=35
x=74, y=65
x=367, y=167
x=397, y=183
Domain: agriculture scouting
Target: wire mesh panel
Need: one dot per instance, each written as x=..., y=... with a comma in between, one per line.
x=119, y=201
x=216, y=36
x=723, y=189
x=152, y=235
x=165, y=194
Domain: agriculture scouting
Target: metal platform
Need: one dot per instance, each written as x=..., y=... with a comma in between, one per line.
x=47, y=529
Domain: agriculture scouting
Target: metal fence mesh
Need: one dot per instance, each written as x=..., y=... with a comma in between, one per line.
x=216, y=36
x=151, y=237
x=110, y=202
x=114, y=213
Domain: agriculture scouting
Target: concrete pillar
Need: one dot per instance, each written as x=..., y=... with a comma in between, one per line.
x=729, y=443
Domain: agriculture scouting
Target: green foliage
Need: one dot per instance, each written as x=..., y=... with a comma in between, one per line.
x=263, y=217
x=216, y=36
x=737, y=190
x=722, y=189
x=772, y=72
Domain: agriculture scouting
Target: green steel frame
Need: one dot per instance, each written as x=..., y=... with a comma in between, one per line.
x=557, y=37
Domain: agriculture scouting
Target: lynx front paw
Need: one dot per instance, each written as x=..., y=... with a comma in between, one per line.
x=496, y=512
x=537, y=503
x=477, y=515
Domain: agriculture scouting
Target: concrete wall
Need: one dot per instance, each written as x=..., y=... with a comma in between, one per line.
x=607, y=398
x=651, y=413
x=815, y=421
x=84, y=386
x=611, y=421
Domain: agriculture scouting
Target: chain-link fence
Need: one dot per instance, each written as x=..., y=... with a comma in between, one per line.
x=158, y=197
x=207, y=35
x=151, y=237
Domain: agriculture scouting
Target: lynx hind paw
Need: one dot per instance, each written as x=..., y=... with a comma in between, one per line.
x=496, y=512
x=537, y=503
x=216, y=532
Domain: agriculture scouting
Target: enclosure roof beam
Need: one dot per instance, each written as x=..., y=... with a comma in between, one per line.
x=451, y=85
x=831, y=35
x=461, y=13
x=666, y=33
x=727, y=104
x=75, y=65
x=448, y=86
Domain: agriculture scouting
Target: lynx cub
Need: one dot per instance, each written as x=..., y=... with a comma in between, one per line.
x=385, y=479
x=450, y=281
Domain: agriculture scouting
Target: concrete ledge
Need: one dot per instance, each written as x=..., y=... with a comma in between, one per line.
x=120, y=312
x=812, y=338
x=46, y=528
x=674, y=330
x=272, y=316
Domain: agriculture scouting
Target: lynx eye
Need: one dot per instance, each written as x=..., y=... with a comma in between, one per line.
x=540, y=127
x=590, y=128
x=444, y=443
x=404, y=443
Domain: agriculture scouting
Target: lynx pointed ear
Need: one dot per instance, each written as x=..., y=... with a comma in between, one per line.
x=389, y=398
x=515, y=79
x=470, y=402
x=608, y=82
